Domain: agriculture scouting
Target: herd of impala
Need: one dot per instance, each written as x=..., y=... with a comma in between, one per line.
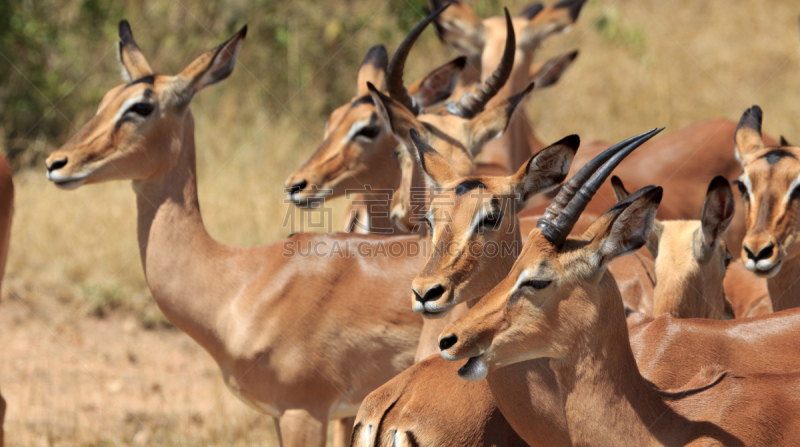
x=601, y=316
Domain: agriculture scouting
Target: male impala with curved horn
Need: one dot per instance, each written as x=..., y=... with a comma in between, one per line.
x=271, y=318
x=559, y=304
x=474, y=213
x=683, y=161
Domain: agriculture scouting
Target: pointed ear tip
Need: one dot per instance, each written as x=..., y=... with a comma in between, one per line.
x=124, y=29
x=460, y=61
x=243, y=32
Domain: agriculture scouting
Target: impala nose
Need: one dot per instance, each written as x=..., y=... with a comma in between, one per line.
x=432, y=294
x=764, y=253
x=56, y=164
x=447, y=342
x=297, y=187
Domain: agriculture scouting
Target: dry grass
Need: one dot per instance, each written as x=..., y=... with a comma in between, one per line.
x=79, y=368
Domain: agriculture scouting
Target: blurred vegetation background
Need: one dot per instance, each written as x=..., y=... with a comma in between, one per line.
x=74, y=258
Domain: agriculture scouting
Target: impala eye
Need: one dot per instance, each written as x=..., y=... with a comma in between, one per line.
x=369, y=132
x=491, y=221
x=536, y=284
x=430, y=225
x=142, y=108
x=728, y=258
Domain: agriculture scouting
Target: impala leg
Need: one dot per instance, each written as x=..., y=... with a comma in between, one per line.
x=343, y=431
x=299, y=428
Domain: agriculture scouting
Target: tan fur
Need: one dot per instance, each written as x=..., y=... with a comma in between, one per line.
x=270, y=317
x=771, y=214
x=577, y=322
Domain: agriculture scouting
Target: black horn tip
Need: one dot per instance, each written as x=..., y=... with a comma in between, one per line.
x=785, y=142
x=242, y=32
x=574, y=7
x=377, y=57
x=751, y=119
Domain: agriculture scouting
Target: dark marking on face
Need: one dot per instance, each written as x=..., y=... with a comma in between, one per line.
x=149, y=79
x=467, y=186
x=776, y=155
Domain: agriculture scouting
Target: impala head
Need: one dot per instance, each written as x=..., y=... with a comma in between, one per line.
x=690, y=256
x=482, y=40
x=459, y=131
x=538, y=308
x=138, y=127
x=357, y=150
x=770, y=188
x=475, y=232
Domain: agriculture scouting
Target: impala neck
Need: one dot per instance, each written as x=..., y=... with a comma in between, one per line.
x=181, y=261
x=606, y=399
x=784, y=289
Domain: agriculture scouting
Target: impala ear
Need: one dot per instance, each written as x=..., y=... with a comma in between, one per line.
x=459, y=27
x=545, y=170
x=433, y=164
x=551, y=20
x=655, y=235
x=718, y=211
x=492, y=122
x=620, y=193
x=629, y=230
x=211, y=67
x=134, y=64
x=439, y=84
x=531, y=11
x=748, y=133
x=372, y=69
x=396, y=118
x=548, y=73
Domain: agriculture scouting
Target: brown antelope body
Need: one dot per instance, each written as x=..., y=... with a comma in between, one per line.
x=559, y=304
x=270, y=316
x=770, y=191
x=6, y=214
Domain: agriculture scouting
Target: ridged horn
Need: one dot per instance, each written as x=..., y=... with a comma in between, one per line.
x=472, y=104
x=561, y=215
x=394, y=77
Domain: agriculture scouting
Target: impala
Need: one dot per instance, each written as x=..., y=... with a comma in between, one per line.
x=271, y=318
x=559, y=304
x=683, y=162
x=6, y=213
x=691, y=258
x=770, y=192
x=474, y=211
x=357, y=152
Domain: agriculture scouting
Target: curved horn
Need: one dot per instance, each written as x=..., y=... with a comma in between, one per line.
x=561, y=215
x=394, y=78
x=472, y=104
